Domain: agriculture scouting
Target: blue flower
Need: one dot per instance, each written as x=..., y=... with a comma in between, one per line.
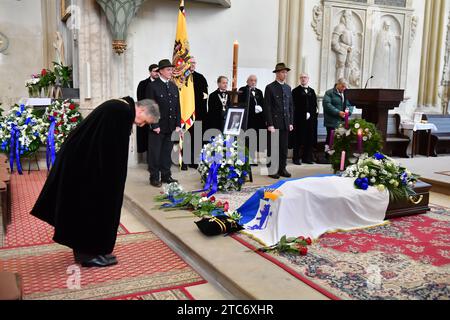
x=228, y=154
x=52, y=118
x=22, y=107
x=379, y=156
x=362, y=183
x=36, y=134
x=244, y=173
x=18, y=114
x=27, y=121
x=232, y=175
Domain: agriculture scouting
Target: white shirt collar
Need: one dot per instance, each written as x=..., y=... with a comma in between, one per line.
x=281, y=82
x=163, y=79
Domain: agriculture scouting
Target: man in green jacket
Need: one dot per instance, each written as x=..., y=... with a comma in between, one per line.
x=334, y=106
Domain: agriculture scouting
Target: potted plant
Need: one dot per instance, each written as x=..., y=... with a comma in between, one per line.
x=47, y=80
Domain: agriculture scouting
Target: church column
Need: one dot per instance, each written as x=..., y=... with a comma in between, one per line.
x=430, y=71
x=290, y=36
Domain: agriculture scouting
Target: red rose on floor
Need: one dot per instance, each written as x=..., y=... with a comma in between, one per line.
x=303, y=251
x=301, y=238
x=59, y=124
x=55, y=114
x=74, y=119
x=213, y=199
x=308, y=241
x=56, y=132
x=72, y=106
x=204, y=195
x=226, y=206
x=43, y=72
x=219, y=204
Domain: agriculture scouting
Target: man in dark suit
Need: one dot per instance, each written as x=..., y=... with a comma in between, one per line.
x=201, y=110
x=218, y=104
x=142, y=132
x=305, y=121
x=255, y=113
x=160, y=145
x=278, y=111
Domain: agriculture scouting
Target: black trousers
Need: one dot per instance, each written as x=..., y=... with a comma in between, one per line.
x=159, y=155
x=282, y=151
x=303, y=150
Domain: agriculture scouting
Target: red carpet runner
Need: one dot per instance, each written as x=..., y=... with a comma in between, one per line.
x=147, y=268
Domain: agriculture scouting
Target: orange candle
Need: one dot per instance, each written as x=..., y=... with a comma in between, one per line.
x=235, y=64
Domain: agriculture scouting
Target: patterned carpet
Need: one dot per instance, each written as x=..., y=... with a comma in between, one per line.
x=408, y=259
x=148, y=269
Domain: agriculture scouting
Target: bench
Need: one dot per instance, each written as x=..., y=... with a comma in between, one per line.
x=396, y=142
x=440, y=141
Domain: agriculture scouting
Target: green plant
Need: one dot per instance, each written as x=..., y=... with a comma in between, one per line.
x=64, y=74
x=47, y=79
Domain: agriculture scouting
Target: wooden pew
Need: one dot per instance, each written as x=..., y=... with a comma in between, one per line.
x=440, y=141
x=396, y=142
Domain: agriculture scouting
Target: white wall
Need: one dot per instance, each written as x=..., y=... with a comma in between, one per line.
x=21, y=22
x=212, y=30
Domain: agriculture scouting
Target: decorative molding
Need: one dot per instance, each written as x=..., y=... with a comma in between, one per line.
x=317, y=23
x=223, y=3
x=4, y=43
x=119, y=14
x=414, y=24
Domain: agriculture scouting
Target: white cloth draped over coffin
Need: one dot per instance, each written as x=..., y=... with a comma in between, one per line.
x=313, y=206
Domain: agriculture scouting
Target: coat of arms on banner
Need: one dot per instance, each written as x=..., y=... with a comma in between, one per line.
x=182, y=63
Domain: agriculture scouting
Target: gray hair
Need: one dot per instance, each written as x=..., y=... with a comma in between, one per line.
x=151, y=108
x=342, y=81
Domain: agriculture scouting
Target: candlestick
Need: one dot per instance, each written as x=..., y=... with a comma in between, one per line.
x=343, y=161
x=360, y=140
x=331, y=139
x=346, y=119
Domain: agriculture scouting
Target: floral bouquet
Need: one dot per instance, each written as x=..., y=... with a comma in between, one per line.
x=357, y=138
x=290, y=245
x=65, y=116
x=33, y=86
x=174, y=198
x=21, y=133
x=384, y=173
x=47, y=79
x=223, y=166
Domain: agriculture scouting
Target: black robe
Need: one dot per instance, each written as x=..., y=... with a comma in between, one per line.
x=201, y=110
x=82, y=197
x=305, y=131
x=254, y=120
x=216, y=115
x=142, y=132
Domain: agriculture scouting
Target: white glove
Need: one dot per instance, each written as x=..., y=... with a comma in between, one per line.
x=258, y=109
x=308, y=115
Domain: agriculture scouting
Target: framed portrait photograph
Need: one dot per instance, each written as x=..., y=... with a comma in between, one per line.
x=233, y=123
x=65, y=9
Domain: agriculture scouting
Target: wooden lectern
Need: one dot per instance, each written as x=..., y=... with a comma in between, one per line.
x=375, y=104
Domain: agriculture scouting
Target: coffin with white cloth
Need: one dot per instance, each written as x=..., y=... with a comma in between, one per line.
x=310, y=207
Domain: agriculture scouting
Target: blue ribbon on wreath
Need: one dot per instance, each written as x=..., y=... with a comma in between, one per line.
x=51, y=151
x=173, y=202
x=212, y=182
x=14, y=152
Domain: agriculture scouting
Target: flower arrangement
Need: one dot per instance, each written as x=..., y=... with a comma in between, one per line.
x=66, y=116
x=200, y=204
x=384, y=173
x=47, y=79
x=223, y=166
x=33, y=85
x=64, y=74
x=290, y=245
x=21, y=133
x=357, y=138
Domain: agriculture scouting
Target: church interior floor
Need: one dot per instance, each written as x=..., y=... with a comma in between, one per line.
x=231, y=269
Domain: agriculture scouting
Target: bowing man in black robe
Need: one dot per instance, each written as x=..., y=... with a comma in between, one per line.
x=218, y=103
x=82, y=197
x=201, y=110
x=305, y=121
x=142, y=133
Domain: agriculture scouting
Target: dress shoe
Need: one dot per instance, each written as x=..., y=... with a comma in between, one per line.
x=184, y=167
x=156, y=183
x=169, y=180
x=308, y=162
x=83, y=257
x=274, y=176
x=297, y=162
x=99, y=261
x=285, y=174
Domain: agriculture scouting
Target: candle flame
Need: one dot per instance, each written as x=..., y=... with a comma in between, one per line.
x=236, y=42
